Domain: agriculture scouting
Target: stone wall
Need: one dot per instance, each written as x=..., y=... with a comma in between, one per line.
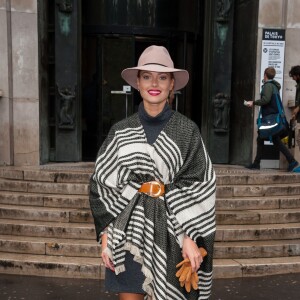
x=19, y=106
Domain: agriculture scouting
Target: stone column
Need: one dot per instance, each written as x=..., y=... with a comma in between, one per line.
x=19, y=107
x=6, y=151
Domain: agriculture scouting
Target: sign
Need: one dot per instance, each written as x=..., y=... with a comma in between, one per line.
x=272, y=55
x=273, y=46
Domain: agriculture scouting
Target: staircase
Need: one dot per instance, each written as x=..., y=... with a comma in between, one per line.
x=46, y=228
x=258, y=217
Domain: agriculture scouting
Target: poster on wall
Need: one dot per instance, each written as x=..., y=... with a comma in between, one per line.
x=273, y=46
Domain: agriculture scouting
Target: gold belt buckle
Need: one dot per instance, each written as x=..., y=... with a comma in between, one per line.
x=151, y=193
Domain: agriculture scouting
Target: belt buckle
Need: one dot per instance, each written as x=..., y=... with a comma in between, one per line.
x=153, y=194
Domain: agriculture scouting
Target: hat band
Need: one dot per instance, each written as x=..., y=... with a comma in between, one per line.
x=156, y=64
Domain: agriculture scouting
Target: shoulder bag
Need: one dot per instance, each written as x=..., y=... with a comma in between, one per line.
x=273, y=124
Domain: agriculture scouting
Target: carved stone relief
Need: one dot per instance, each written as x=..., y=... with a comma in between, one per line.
x=223, y=9
x=66, y=115
x=221, y=105
x=65, y=6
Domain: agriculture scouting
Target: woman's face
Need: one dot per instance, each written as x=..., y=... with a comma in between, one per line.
x=155, y=87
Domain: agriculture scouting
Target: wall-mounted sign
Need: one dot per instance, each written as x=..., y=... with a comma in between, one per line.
x=273, y=46
x=272, y=55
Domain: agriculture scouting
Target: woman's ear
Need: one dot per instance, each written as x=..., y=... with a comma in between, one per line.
x=172, y=84
x=138, y=84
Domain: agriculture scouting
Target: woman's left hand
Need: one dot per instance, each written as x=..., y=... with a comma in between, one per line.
x=191, y=251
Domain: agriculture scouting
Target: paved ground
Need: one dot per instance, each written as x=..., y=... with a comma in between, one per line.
x=279, y=287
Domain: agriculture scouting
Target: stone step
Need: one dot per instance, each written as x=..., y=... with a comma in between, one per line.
x=92, y=268
x=258, y=190
x=257, y=249
x=46, y=200
x=246, y=177
x=274, y=202
x=44, y=173
x=48, y=214
x=258, y=232
x=84, y=215
x=244, y=217
x=90, y=248
x=81, y=201
x=49, y=246
x=47, y=229
x=87, y=231
x=38, y=183
x=70, y=173
x=51, y=266
x=232, y=268
x=58, y=176
x=44, y=187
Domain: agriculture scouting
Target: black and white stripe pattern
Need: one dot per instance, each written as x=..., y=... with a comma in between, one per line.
x=153, y=229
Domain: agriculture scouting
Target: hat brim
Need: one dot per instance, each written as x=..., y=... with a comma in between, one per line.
x=181, y=77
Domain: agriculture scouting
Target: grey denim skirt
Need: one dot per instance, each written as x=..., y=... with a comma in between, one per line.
x=130, y=281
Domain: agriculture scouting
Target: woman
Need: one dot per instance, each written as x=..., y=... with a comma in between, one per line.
x=152, y=194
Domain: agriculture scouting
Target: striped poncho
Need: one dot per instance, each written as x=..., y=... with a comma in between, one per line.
x=152, y=229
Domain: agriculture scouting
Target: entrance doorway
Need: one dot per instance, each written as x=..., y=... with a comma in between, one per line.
x=82, y=64
x=103, y=59
x=104, y=100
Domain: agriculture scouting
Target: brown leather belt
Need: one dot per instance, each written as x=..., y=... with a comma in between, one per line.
x=154, y=189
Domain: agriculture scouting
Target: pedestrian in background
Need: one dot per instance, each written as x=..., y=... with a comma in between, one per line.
x=152, y=194
x=268, y=105
x=295, y=74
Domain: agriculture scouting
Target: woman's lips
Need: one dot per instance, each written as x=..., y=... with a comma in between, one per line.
x=154, y=92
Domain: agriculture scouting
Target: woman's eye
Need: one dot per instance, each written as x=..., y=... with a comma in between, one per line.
x=163, y=77
x=146, y=77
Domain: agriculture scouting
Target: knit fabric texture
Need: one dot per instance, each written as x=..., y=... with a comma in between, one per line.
x=153, y=229
x=154, y=125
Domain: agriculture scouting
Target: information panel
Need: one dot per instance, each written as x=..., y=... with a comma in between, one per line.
x=273, y=46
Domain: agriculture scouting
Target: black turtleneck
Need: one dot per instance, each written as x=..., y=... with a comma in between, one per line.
x=154, y=125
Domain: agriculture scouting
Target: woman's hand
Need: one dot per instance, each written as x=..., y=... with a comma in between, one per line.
x=106, y=260
x=191, y=251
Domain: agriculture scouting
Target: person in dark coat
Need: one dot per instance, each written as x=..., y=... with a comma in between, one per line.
x=268, y=105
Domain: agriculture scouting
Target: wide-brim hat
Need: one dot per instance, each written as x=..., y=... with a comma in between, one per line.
x=156, y=59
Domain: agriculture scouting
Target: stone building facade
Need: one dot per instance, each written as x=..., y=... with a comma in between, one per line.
x=21, y=82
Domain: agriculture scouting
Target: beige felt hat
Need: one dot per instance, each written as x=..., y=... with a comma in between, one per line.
x=156, y=59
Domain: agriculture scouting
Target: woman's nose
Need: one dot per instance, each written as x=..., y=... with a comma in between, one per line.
x=154, y=81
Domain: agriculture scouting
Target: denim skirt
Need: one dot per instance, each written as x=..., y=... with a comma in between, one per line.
x=129, y=281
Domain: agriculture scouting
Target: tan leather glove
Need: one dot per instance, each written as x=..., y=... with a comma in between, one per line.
x=187, y=278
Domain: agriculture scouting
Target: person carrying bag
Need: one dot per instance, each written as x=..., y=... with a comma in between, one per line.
x=272, y=124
